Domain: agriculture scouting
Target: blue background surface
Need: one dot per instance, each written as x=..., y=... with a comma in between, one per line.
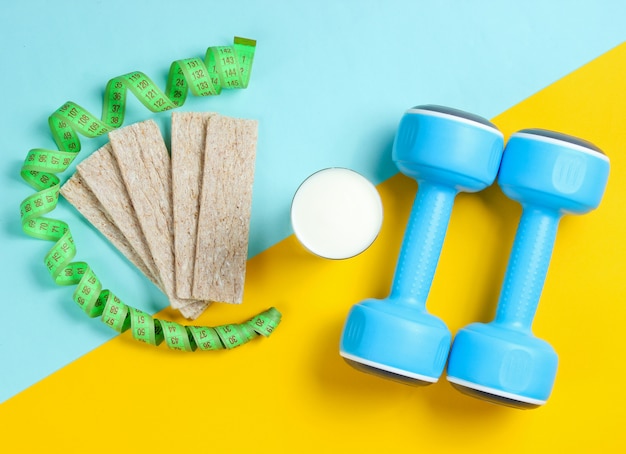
x=329, y=84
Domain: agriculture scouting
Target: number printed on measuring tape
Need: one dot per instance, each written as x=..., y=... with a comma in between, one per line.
x=223, y=67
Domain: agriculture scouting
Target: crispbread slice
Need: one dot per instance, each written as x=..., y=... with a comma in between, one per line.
x=225, y=205
x=189, y=133
x=100, y=174
x=78, y=194
x=144, y=164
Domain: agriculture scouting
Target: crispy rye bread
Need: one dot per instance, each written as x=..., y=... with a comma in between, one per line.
x=189, y=136
x=99, y=173
x=225, y=206
x=78, y=194
x=144, y=164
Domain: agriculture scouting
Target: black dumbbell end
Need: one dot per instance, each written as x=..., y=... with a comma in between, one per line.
x=387, y=374
x=457, y=113
x=562, y=137
x=494, y=398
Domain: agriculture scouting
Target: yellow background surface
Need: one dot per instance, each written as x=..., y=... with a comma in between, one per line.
x=293, y=393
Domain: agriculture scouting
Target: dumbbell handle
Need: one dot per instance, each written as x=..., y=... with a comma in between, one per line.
x=421, y=247
x=527, y=267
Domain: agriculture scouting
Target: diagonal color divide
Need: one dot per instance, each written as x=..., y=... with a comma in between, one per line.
x=296, y=389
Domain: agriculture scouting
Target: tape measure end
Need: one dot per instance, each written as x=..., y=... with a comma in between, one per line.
x=245, y=41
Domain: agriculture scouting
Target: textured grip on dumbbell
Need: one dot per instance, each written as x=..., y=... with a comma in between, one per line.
x=527, y=268
x=423, y=239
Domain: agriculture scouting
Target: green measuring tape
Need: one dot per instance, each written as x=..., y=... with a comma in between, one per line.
x=222, y=67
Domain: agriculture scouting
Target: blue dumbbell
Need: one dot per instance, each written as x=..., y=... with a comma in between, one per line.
x=446, y=151
x=550, y=174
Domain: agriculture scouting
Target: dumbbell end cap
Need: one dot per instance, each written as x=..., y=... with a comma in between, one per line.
x=449, y=147
x=494, y=396
x=390, y=373
x=502, y=361
x=553, y=170
x=396, y=341
x=562, y=137
x=455, y=113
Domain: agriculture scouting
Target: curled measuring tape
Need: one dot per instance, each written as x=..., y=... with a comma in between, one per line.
x=222, y=67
